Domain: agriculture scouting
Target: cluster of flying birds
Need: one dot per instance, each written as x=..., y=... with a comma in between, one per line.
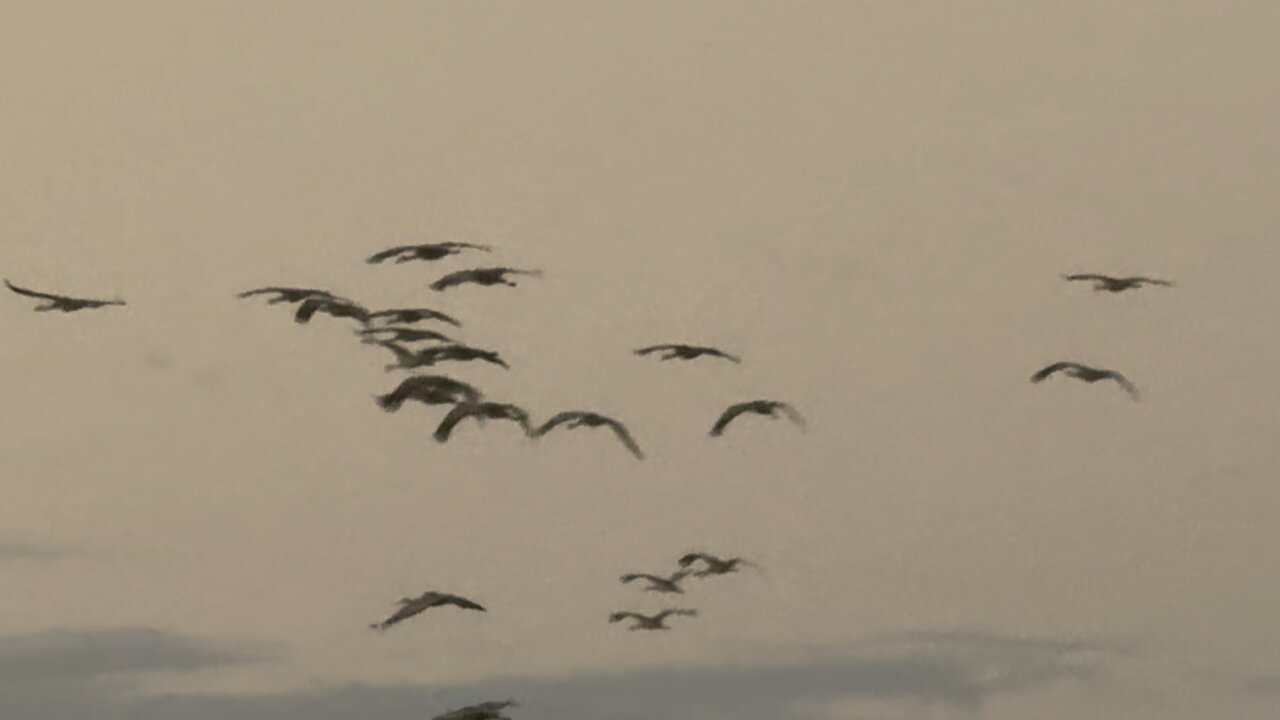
x=1086, y=373
x=711, y=565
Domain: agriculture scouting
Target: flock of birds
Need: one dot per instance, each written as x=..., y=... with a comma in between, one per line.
x=400, y=331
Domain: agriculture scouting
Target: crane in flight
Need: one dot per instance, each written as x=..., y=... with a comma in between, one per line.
x=1117, y=284
x=1087, y=374
x=407, y=359
x=426, y=251
x=686, y=352
x=769, y=408
x=491, y=710
x=396, y=333
x=481, y=276
x=713, y=565
x=578, y=418
x=481, y=411
x=429, y=390
x=60, y=302
x=650, y=622
x=410, y=607
x=330, y=306
x=290, y=294
x=408, y=316
x=657, y=583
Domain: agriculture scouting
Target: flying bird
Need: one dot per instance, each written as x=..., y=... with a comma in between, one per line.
x=1118, y=284
x=330, y=306
x=61, y=302
x=657, y=583
x=428, y=251
x=427, y=600
x=650, y=622
x=481, y=276
x=770, y=408
x=403, y=334
x=412, y=315
x=290, y=294
x=686, y=352
x=407, y=359
x=491, y=710
x=713, y=565
x=429, y=390
x=1087, y=374
x=578, y=418
x=481, y=411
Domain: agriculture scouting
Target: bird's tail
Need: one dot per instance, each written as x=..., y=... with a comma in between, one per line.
x=390, y=402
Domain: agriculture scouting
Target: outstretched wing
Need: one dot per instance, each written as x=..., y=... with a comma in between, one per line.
x=32, y=293
x=457, y=414
x=452, y=279
x=690, y=558
x=1051, y=369
x=621, y=431
x=792, y=414
x=620, y=616
x=472, y=246
x=404, y=355
x=1152, y=281
x=722, y=354
x=727, y=417
x=412, y=315
x=555, y=421
x=386, y=254
x=653, y=349
x=1088, y=276
x=459, y=601
x=1124, y=382
x=641, y=576
x=307, y=309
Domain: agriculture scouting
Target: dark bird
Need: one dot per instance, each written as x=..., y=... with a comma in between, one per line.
x=686, y=352
x=413, y=606
x=657, y=583
x=1087, y=374
x=481, y=276
x=407, y=359
x=290, y=294
x=770, y=408
x=429, y=390
x=330, y=306
x=491, y=710
x=481, y=411
x=428, y=251
x=713, y=565
x=409, y=316
x=650, y=622
x=61, y=302
x=403, y=334
x=578, y=418
x=1118, y=284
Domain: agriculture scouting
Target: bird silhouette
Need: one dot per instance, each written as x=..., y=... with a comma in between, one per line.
x=330, y=306
x=578, y=418
x=481, y=411
x=410, y=607
x=1117, y=284
x=408, y=316
x=657, y=583
x=429, y=390
x=61, y=302
x=491, y=710
x=650, y=622
x=713, y=565
x=1087, y=374
x=407, y=359
x=290, y=294
x=396, y=333
x=481, y=276
x=686, y=352
x=427, y=251
x=771, y=408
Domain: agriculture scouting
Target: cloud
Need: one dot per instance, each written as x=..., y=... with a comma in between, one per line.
x=951, y=673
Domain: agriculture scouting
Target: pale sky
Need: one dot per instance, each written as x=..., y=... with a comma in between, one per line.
x=871, y=202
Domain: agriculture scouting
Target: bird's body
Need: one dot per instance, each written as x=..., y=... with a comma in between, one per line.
x=429, y=390
x=481, y=411
x=403, y=334
x=330, y=306
x=770, y=408
x=713, y=565
x=61, y=302
x=291, y=294
x=578, y=418
x=1087, y=374
x=657, y=583
x=410, y=607
x=650, y=622
x=686, y=352
x=491, y=710
x=1117, y=284
x=481, y=276
x=407, y=359
x=408, y=316
x=426, y=251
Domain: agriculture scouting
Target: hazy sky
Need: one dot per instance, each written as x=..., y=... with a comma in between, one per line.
x=871, y=202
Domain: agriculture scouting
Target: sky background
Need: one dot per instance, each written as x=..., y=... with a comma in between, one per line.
x=871, y=202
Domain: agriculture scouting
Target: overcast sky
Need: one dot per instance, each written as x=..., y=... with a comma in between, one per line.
x=871, y=202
